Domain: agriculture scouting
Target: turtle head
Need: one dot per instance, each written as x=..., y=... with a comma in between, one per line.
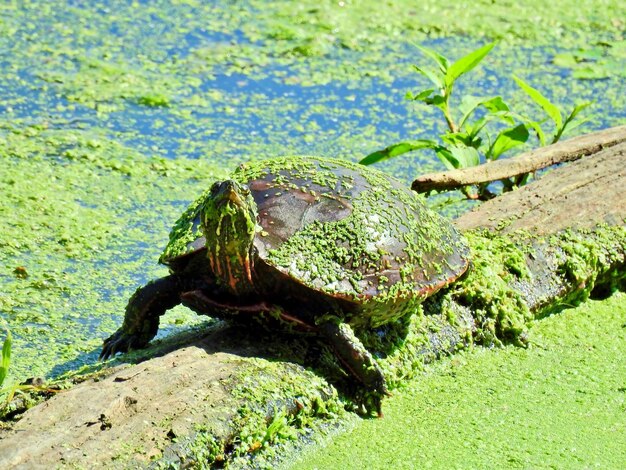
x=229, y=216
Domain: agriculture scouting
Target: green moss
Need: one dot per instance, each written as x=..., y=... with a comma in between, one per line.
x=500, y=310
x=401, y=347
x=498, y=299
x=205, y=449
x=277, y=404
x=497, y=285
x=586, y=256
x=88, y=178
x=154, y=101
x=82, y=230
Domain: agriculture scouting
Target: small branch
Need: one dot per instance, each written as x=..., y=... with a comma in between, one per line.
x=566, y=151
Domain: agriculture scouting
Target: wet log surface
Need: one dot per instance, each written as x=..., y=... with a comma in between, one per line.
x=131, y=415
x=579, y=195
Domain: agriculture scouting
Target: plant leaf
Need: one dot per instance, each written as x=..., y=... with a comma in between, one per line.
x=508, y=139
x=469, y=104
x=447, y=158
x=437, y=100
x=539, y=131
x=542, y=101
x=460, y=139
x=397, y=149
x=465, y=156
x=496, y=104
x=454, y=138
x=535, y=125
x=435, y=77
x=441, y=61
x=421, y=96
x=5, y=360
x=577, y=109
x=467, y=63
x=476, y=127
x=578, y=123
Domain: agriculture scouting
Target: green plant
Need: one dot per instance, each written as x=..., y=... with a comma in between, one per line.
x=280, y=428
x=22, y=389
x=5, y=357
x=467, y=142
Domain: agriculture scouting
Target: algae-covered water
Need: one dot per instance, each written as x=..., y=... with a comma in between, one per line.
x=561, y=403
x=115, y=115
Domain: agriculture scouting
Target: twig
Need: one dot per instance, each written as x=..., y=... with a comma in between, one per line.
x=566, y=151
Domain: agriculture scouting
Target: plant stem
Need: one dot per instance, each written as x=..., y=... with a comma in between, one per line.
x=446, y=113
x=558, y=134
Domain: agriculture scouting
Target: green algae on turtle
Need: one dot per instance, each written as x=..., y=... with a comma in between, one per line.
x=340, y=246
x=323, y=245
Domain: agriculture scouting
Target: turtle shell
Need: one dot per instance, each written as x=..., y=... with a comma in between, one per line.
x=344, y=230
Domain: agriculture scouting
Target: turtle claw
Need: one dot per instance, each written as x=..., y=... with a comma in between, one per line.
x=119, y=342
x=360, y=363
x=370, y=400
x=379, y=402
x=141, y=319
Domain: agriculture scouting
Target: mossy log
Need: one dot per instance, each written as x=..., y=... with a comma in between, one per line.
x=535, y=250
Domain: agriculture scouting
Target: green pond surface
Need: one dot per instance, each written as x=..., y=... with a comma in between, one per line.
x=561, y=403
x=115, y=115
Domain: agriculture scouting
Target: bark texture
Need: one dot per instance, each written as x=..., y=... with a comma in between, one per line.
x=579, y=195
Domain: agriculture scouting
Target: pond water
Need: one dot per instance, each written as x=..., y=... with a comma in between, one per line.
x=115, y=115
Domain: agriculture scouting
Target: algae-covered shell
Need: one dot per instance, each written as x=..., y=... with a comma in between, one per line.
x=344, y=230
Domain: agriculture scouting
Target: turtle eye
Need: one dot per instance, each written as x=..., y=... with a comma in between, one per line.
x=245, y=189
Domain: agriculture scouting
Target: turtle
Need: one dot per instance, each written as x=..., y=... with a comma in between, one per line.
x=322, y=245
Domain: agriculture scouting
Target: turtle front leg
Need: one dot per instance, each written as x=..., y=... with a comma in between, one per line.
x=141, y=320
x=357, y=359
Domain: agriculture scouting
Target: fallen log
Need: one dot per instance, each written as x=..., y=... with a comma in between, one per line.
x=550, y=244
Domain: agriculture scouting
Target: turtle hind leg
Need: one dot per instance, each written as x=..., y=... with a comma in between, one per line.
x=357, y=360
x=141, y=320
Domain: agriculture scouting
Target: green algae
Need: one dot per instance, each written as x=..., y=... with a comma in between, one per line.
x=226, y=72
x=296, y=408
x=497, y=286
x=88, y=191
x=557, y=404
x=599, y=61
x=361, y=25
x=68, y=226
x=500, y=310
x=135, y=53
x=500, y=296
x=586, y=256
